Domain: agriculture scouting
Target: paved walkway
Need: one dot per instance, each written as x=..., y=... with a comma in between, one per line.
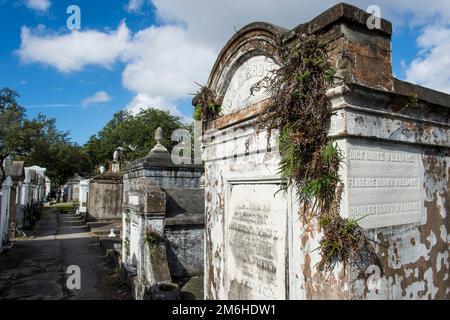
x=35, y=268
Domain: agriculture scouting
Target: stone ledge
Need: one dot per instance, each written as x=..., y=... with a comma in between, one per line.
x=346, y=12
x=426, y=94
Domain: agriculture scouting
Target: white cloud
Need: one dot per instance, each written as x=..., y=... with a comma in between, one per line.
x=73, y=51
x=213, y=22
x=134, y=5
x=98, y=97
x=38, y=5
x=431, y=68
x=143, y=101
x=163, y=62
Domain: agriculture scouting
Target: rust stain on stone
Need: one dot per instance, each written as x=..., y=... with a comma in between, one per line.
x=414, y=272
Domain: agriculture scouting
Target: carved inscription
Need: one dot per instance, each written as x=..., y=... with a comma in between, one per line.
x=256, y=243
x=384, y=186
x=238, y=91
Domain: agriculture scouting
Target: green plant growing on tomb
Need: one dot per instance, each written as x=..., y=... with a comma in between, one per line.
x=153, y=238
x=413, y=102
x=127, y=218
x=300, y=109
x=126, y=242
x=205, y=105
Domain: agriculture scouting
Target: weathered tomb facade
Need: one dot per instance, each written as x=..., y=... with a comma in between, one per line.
x=395, y=172
x=10, y=202
x=30, y=196
x=73, y=188
x=163, y=224
x=27, y=202
x=83, y=197
x=103, y=193
x=105, y=197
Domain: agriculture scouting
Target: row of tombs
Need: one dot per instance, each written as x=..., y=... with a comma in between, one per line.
x=245, y=240
x=22, y=195
x=150, y=215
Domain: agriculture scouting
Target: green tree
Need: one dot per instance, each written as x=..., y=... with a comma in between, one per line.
x=53, y=149
x=12, y=119
x=37, y=141
x=134, y=133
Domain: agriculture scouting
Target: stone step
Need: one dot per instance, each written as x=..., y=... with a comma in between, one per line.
x=104, y=231
x=72, y=224
x=70, y=229
x=97, y=224
x=70, y=217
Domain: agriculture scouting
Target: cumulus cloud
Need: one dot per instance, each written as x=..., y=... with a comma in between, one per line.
x=98, y=97
x=73, y=51
x=142, y=101
x=134, y=5
x=163, y=62
x=432, y=66
x=38, y=5
x=215, y=20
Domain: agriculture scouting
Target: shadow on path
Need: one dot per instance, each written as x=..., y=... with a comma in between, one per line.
x=35, y=268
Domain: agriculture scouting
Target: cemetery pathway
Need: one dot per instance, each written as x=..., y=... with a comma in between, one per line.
x=35, y=268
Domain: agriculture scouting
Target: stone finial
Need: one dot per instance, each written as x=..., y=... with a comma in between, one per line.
x=158, y=137
x=102, y=169
x=116, y=155
x=115, y=166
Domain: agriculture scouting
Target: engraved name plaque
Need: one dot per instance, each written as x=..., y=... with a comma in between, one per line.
x=256, y=242
x=383, y=186
x=238, y=94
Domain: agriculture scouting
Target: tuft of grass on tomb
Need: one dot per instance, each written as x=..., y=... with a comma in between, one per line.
x=205, y=106
x=413, y=102
x=153, y=238
x=126, y=243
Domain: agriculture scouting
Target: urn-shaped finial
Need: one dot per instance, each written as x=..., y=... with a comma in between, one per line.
x=158, y=137
x=116, y=156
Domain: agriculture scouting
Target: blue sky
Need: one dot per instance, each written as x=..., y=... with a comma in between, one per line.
x=135, y=53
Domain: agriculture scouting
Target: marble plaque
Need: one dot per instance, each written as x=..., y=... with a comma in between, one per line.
x=133, y=200
x=256, y=242
x=384, y=185
x=250, y=72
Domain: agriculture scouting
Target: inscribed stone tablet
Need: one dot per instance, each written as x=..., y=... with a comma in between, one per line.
x=384, y=185
x=256, y=248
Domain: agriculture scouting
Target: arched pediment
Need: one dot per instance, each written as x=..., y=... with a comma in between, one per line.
x=248, y=57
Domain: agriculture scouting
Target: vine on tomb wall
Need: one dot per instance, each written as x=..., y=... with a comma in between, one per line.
x=300, y=109
x=205, y=105
x=153, y=238
x=127, y=245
